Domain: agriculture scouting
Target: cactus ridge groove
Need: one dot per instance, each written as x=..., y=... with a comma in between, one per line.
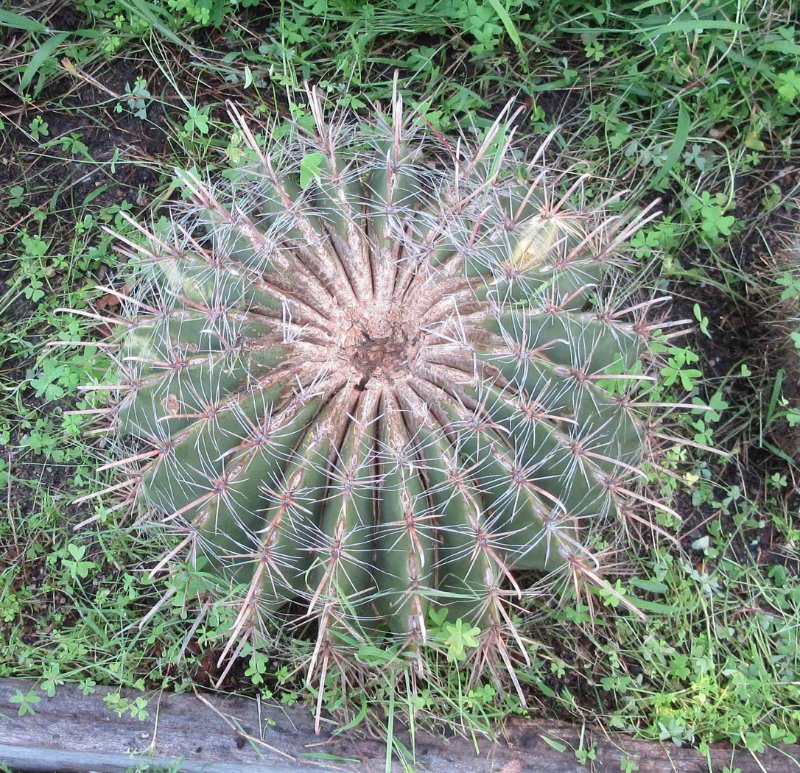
x=384, y=388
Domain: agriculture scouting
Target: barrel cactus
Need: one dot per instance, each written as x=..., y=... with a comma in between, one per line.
x=371, y=371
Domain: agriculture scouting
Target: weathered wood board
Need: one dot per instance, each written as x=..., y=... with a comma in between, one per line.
x=74, y=732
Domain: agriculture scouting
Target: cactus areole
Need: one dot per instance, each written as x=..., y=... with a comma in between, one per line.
x=369, y=370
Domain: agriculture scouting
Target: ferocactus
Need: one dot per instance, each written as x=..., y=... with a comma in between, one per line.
x=375, y=372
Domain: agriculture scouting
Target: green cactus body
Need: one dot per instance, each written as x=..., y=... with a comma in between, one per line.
x=382, y=391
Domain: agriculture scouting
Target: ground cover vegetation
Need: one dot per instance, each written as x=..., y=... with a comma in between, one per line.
x=106, y=106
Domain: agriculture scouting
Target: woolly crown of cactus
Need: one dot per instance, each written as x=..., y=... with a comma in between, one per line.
x=369, y=372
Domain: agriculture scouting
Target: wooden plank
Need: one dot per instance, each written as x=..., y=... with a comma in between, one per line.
x=75, y=732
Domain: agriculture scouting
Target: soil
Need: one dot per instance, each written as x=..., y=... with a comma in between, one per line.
x=57, y=182
x=741, y=334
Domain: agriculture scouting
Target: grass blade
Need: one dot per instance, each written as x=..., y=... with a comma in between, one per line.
x=693, y=25
x=147, y=12
x=17, y=22
x=40, y=57
x=508, y=23
x=677, y=146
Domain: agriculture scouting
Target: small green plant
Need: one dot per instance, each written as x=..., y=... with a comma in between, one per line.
x=137, y=707
x=25, y=701
x=710, y=211
x=137, y=98
x=38, y=128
